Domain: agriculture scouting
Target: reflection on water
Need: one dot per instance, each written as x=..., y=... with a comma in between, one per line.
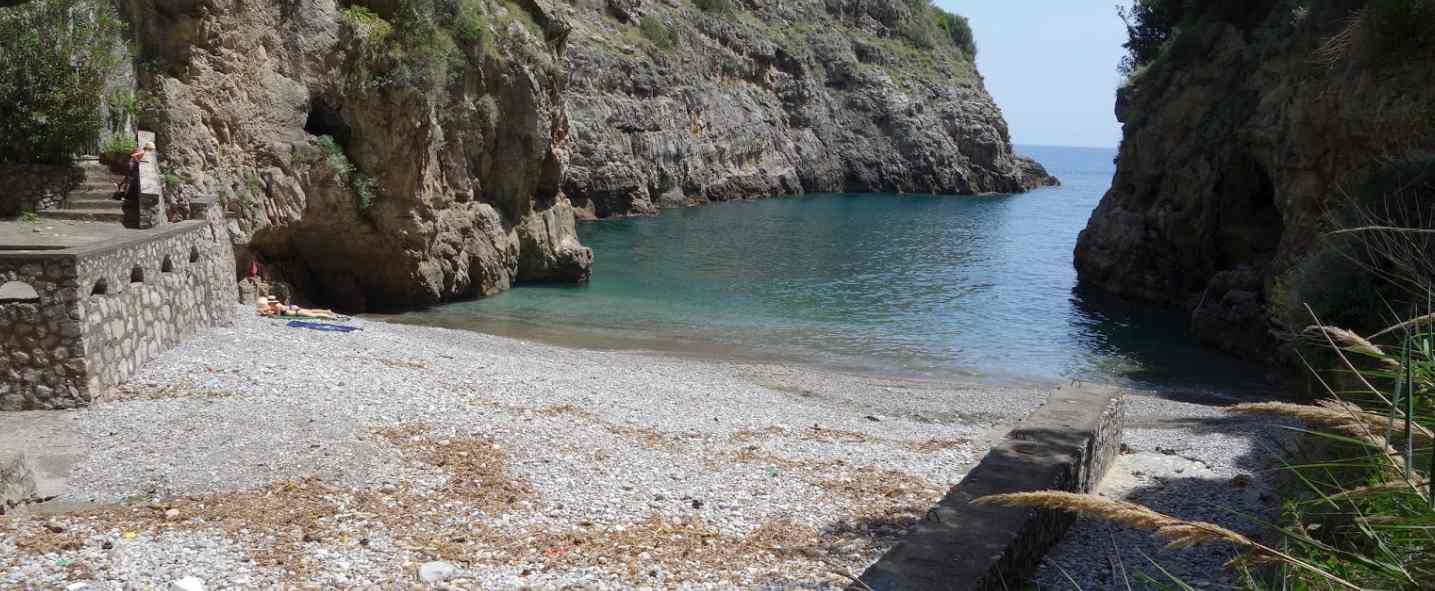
x=968, y=287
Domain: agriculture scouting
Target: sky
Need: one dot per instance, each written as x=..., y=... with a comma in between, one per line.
x=1051, y=66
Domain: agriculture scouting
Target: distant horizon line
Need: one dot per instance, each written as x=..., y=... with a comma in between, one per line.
x=1018, y=145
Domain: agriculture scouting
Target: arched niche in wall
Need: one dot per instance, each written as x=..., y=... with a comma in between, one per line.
x=18, y=292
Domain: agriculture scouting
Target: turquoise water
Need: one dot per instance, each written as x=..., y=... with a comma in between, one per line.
x=969, y=287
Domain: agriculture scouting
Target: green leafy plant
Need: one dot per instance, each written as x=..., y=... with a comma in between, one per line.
x=118, y=147
x=366, y=23
x=657, y=33
x=1150, y=26
x=469, y=22
x=366, y=191
x=58, y=56
x=716, y=6
x=334, y=155
x=930, y=27
x=171, y=182
x=29, y=217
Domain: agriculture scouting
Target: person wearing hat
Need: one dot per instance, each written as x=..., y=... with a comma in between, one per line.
x=130, y=183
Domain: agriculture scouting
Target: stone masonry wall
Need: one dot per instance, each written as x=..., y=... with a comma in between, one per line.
x=105, y=309
x=42, y=353
x=35, y=187
x=156, y=294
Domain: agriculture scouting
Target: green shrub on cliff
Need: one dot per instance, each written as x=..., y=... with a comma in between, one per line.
x=657, y=33
x=1361, y=273
x=930, y=27
x=1401, y=25
x=364, y=22
x=716, y=6
x=58, y=55
x=1150, y=25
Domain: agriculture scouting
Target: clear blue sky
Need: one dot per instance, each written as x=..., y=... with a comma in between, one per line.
x=1051, y=65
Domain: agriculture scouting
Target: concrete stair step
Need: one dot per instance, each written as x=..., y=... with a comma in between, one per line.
x=89, y=197
x=92, y=215
x=93, y=203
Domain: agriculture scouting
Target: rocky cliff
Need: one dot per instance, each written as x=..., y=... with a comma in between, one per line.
x=675, y=102
x=391, y=153
x=374, y=154
x=1252, y=124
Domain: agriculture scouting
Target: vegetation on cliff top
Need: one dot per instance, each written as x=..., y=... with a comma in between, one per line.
x=59, y=56
x=1167, y=29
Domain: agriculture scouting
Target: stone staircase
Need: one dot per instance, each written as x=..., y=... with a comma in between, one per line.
x=91, y=200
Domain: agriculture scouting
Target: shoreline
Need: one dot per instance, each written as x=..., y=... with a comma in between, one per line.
x=395, y=432
x=262, y=455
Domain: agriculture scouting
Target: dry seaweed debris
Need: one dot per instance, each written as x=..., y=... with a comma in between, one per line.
x=477, y=467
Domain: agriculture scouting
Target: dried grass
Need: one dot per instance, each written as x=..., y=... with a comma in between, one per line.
x=134, y=392
x=828, y=435
x=1342, y=416
x=477, y=466
x=1350, y=341
x=1178, y=533
x=1376, y=489
x=936, y=445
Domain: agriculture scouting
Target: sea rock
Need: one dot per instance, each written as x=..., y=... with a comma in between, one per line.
x=1236, y=143
x=774, y=98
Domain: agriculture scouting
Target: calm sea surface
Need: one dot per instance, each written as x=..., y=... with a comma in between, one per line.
x=975, y=288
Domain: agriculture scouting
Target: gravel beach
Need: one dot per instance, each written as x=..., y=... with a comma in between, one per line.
x=262, y=456
x=1192, y=461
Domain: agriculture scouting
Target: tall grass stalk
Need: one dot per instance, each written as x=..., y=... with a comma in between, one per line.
x=1366, y=520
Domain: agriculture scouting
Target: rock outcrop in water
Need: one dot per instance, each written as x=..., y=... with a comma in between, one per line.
x=374, y=156
x=673, y=104
x=1237, y=140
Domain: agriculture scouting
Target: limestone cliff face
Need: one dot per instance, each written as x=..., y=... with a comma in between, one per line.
x=1236, y=141
x=772, y=98
x=367, y=171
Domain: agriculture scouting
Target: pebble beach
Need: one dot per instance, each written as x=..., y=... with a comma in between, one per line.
x=262, y=456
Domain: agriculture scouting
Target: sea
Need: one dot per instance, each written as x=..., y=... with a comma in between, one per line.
x=943, y=287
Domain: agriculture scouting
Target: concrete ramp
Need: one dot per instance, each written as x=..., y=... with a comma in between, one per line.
x=1067, y=444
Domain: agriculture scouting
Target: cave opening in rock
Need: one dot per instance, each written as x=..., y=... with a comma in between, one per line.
x=101, y=287
x=1250, y=223
x=137, y=274
x=324, y=119
x=167, y=266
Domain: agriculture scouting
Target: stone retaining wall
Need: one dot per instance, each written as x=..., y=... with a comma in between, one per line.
x=157, y=293
x=35, y=187
x=1067, y=444
x=101, y=311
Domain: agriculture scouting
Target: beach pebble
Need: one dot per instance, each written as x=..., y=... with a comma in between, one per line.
x=190, y=583
x=437, y=571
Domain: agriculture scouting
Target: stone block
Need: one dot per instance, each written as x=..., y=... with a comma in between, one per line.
x=1067, y=444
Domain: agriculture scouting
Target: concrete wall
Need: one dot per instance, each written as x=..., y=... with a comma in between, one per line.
x=92, y=324
x=1066, y=445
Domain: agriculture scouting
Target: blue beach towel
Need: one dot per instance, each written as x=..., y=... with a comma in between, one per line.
x=321, y=326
